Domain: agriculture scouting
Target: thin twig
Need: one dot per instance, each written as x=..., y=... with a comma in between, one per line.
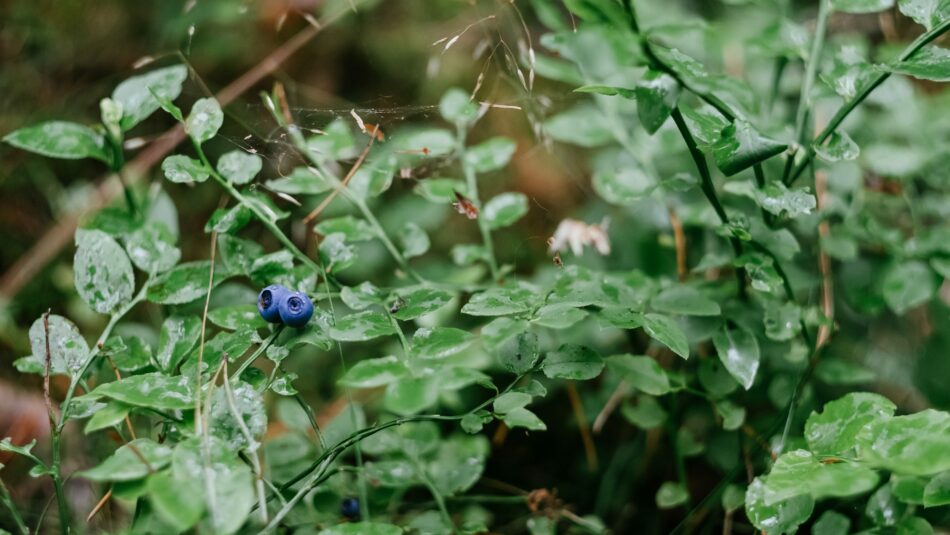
x=679, y=238
x=343, y=183
x=824, y=266
x=47, y=364
x=118, y=377
x=589, y=450
x=99, y=505
x=201, y=339
x=612, y=403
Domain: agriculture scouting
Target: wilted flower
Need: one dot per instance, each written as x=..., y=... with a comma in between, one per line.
x=578, y=234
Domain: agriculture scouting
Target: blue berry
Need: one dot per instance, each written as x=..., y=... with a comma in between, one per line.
x=268, y=302
x=296, y=309
x=350, y=508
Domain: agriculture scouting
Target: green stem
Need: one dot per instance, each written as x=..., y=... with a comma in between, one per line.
x=849, y=106
x=471, y=183
x=709, y=189
x=811, y=69
x=257, y=353
x=268, y=223
x=436, y=495
x=7, y=500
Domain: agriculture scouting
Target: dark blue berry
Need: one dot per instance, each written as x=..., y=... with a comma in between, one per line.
x=296, y=309
x=268, y=302
x=350, y=508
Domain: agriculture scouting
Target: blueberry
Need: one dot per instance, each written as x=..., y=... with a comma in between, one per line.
x=295, y=308
x=268, y=301
x=350, y=508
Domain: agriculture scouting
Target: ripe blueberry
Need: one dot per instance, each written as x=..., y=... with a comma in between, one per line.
x=295, y=309
x=350, y=508
x=268, y=301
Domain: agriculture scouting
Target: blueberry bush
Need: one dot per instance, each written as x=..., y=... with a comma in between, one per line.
x=738, y=322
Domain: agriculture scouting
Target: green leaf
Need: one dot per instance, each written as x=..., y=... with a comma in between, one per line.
x=510, y=401
x=928, y=63
x=840, y=147
x=502, y=211
x=646, y=414
x=501, y=301
x=928, y=13
x=237, y=316
x=411, y=395
x=861, y=6
x=134, y=460
x=334, y=143
x=360, y=297
x=178, y=336
x=732, y=415
x=671, y=494
x=178, y=504
x=656, y=97
x=583, y=125
x=684, y=300
x=183, y=284
x=204, y=120
x=371, y=373
x=738, y=351
x=776, y=518
x=150, y=390
x=558, y=316
x=525, y=419
x=362, y=528
x=782, y=320
x=440, y=342
x=831, y=523
x=223, y=473
x=518, y=353
x=490, y=155
x=112, y=414
x=184, y=170
x=777, y=199
x=907, y=285
x=137, y=95
x=741, y=146
x=67, y=348
x=574, y=362
x=799, y=472
x=419, y=301
x=301, y=181
x=843, y=424
x=229, y=220
x=353, y=229
x=239, y=167
x=665, y=330
x=607, y=90
x=916, y=444
x=362, y=326
x=414, y=240
x=704, y=124
x=151, y=247
x=937, y=491
x=248, y=403
x=132, y=353
x=60, y=139
x=624, y=185
x=102, y=271
x=441, y=190
x=643, y=373
x=456, y=107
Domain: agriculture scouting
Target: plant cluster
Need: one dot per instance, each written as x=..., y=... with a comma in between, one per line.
x=765, y=194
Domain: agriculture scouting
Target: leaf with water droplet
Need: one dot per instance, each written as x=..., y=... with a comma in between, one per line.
x=102, y=271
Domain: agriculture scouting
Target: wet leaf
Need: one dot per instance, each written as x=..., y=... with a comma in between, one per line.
x=137, y=95
x=68, y=349
x=656, y=97
x=738, y=351
x=102, y=271
x=776, y=518
x=741, y=146
x=184, y=170
x=843, y=424
x=440, y=342
x=362, y=326
x=665, y=330
x=60, y=139
x=574, y=362
x=502, y=211
x=134, y=460
x=643, y=373
x=239, y=167
x=371, y=373
x=204, y=120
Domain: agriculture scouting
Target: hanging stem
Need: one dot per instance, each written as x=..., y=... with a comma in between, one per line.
x=849, y=106
x=471, y=183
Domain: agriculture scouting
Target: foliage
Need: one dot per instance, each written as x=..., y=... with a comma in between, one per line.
x=729, y=352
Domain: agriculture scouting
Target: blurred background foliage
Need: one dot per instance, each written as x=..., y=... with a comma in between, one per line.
x=60, y=57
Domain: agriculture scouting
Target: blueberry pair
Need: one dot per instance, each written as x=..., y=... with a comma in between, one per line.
x=277, y=304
